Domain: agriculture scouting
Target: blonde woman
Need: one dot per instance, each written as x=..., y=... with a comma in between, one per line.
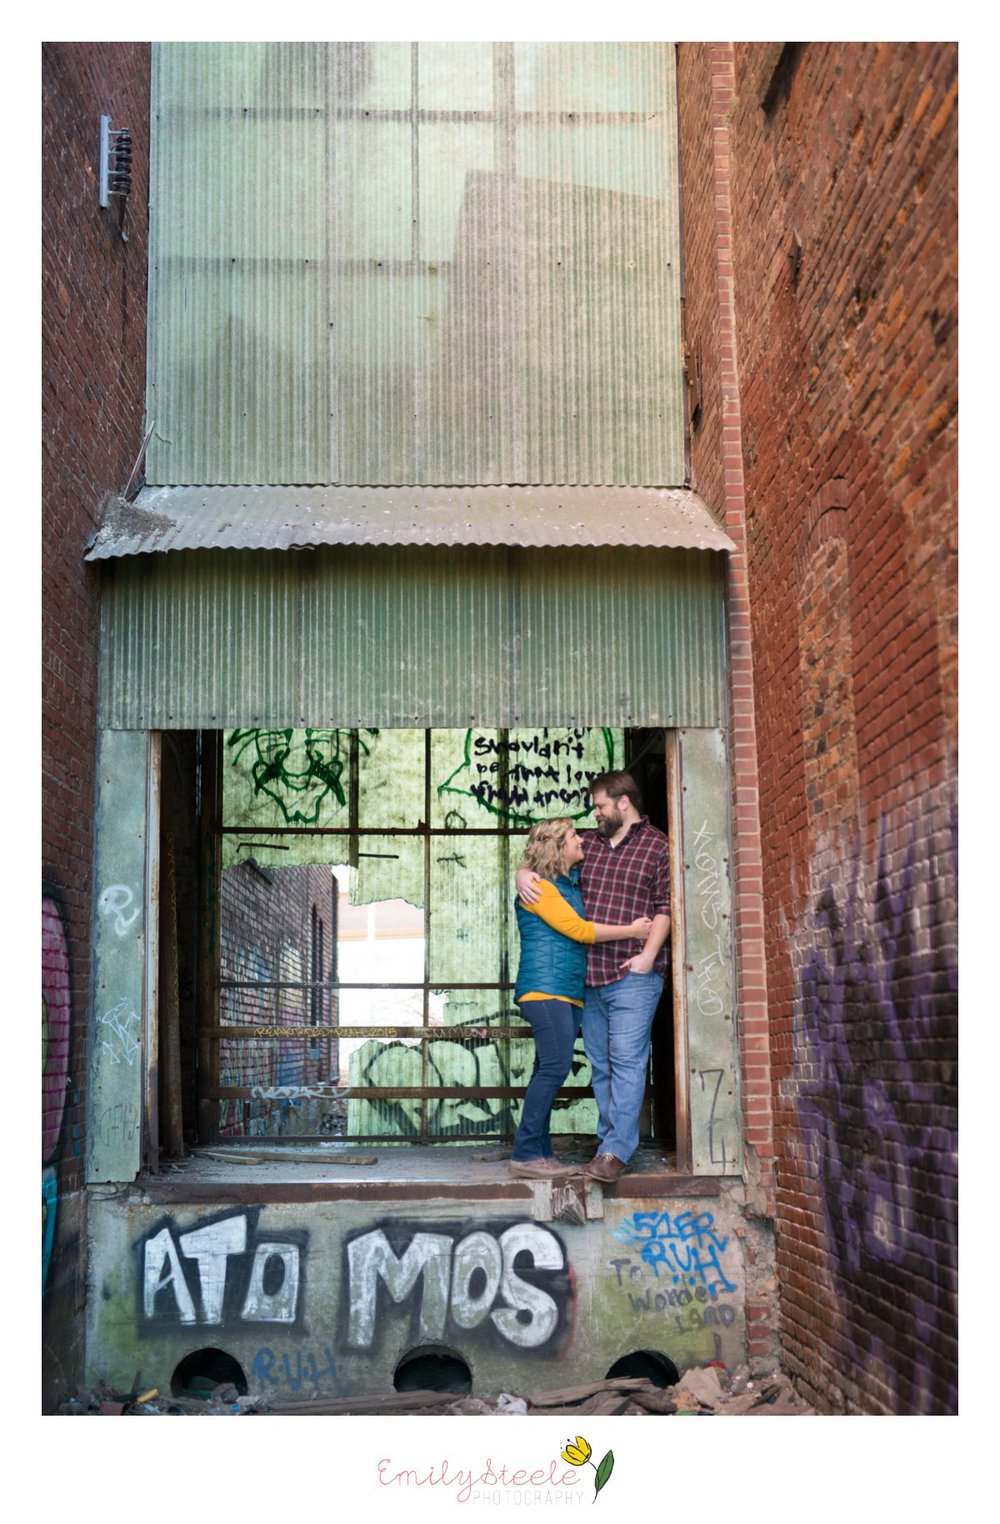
x=550, y=983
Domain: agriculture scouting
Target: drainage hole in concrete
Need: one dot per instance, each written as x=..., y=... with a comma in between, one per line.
x=431, y=1368
x=201, y=1372
x=648, y=1363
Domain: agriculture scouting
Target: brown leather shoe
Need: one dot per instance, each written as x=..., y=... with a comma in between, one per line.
x=541, y=1169
x=606, y=1168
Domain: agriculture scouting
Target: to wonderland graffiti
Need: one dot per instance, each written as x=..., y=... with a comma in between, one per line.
x=219, y=1273
x=500, y=1282
x=875, y=1051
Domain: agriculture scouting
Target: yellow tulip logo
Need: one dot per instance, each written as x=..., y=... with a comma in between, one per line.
x=578, y=1453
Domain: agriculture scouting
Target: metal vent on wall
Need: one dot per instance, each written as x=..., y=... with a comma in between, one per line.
x=116, y=161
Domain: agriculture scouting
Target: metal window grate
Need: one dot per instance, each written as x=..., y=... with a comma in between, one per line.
x=424, y=829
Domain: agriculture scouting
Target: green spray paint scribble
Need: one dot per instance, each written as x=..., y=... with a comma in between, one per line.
x=297, y=769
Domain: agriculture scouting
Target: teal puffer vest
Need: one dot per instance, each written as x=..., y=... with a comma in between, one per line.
x=551, y=964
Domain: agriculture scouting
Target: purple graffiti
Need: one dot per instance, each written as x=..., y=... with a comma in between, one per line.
x=876, y=1062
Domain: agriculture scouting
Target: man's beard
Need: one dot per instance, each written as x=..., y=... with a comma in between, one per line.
x=610, y=824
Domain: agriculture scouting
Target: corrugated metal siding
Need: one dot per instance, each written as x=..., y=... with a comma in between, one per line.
x=287, y=518
x=414, y=637
x=238, y=306
x=434, y=263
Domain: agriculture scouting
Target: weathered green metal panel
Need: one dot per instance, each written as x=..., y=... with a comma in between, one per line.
x=120, y=937
x=383, y=262
x=237, y=366
x=414, y=637
x=714, y=1098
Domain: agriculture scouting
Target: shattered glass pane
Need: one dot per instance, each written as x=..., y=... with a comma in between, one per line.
x=388, y=868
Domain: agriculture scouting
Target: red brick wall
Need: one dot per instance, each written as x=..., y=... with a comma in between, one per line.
x=839, y=163
x=93, y=379
x=705, y=94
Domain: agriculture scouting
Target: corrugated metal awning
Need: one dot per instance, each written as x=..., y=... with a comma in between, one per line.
x=289, y=518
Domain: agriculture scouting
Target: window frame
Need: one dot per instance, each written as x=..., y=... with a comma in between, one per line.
x=504, y=1032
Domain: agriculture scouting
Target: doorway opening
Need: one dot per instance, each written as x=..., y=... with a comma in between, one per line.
x=337, y=939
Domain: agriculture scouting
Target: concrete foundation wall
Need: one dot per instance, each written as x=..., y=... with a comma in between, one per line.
x=328, y=1296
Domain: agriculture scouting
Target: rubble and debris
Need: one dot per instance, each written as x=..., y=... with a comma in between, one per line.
x=706, y=1391
x=700, y=1389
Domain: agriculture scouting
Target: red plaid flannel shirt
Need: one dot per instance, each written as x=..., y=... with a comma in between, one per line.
x=619, y=884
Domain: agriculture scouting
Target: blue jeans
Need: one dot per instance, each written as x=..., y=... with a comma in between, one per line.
x=554, y=1025
x=617, y=1022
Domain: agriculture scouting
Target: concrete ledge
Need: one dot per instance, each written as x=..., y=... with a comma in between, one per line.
x=163, y=1188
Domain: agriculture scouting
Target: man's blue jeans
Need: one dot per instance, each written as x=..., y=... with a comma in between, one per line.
x=617, y=1022
x=554, y=1025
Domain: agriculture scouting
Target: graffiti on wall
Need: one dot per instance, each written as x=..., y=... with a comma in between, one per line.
x=294, y=1370
x=221, y=1272
x=298, y=769
x=710, y=984
x=530, y=775
x=120, y=1033
x=117, y=902
x=472, y=1064
x=684, y=1274
x=685, y=1247
x=508, y=1282
x=56, y=1013
x=875, y=1049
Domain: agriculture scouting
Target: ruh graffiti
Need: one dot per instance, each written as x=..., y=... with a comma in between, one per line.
x=56, y=1014
x=685, y=1247
x=507, y=1283
x=875, y=1055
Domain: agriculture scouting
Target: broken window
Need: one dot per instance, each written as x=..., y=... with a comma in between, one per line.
x=366, y=945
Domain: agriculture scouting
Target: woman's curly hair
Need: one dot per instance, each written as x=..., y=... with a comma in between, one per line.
x=543, y=850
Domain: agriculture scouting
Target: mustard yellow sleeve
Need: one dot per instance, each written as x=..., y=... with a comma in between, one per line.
x=560, y=915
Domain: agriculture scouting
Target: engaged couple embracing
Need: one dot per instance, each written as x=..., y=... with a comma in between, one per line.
x=593, y=912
